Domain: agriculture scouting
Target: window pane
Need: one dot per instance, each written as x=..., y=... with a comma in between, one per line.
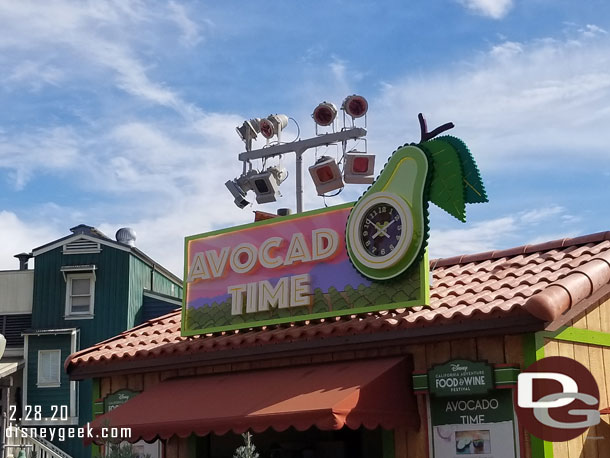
x=81, y=301
x=80, y=309
x=48, y=368
x=80, y=286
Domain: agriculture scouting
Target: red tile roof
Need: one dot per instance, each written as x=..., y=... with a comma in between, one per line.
x=542, y=280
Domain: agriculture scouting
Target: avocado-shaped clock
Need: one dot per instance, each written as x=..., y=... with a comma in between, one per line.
x=387, y=228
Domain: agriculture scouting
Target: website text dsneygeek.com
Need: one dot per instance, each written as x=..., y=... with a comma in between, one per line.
x=61, y=433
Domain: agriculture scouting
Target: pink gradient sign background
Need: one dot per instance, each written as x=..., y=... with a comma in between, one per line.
x=342, y=271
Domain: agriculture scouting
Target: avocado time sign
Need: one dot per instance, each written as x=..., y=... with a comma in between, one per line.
x=348, y=259
x=470, y=414
x=285, y=269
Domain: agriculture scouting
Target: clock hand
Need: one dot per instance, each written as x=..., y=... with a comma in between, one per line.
x=376, y=227
x=383, y=231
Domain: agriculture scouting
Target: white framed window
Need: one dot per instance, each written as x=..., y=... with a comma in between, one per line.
x=80, y=295
x=49, y=368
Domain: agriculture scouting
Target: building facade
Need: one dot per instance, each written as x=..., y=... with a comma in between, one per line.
x=84, y=288
x=361, y=384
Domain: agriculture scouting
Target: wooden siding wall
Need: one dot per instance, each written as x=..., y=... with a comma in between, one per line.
x=49, y=305
x=495, y=350
x=143, y=277
x=46, y=397
x=595, y=443
x=163, y=285
x=139, y=280
x=408, y=444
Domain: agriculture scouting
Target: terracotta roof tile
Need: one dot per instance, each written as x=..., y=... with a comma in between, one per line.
x=544, y=279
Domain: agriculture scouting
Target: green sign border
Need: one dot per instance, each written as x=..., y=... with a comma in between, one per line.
x=422, y=266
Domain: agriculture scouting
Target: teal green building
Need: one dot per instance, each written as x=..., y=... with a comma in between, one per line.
x=87, y=288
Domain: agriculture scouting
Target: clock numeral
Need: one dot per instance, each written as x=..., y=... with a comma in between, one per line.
x=397, y=218
x=391, y=247
x=399, y=227
x=367, y=243
x=374, y=249
x=382, y=252
x=383, y=209
x=365, y=233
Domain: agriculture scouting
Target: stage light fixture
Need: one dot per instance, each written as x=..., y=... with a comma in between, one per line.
x=359, y=168
x=326, y=175
x=249, y=129
x=355, y=105
x=266, y=185
x=238, y=188
x=324, y=114
x=273, y=125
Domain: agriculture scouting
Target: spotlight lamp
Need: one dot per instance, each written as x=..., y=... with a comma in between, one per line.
x=326, y=175
x=266, y=185
x=359, y=168
x=324, y=114
x=238, y=188
x=355, y=105
x=273, y=125
x=249, y=129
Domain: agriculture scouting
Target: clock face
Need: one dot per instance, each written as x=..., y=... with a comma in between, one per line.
x=379, y=232
x=381, y=229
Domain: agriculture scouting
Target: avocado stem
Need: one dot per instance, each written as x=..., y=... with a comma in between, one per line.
x=425, y=135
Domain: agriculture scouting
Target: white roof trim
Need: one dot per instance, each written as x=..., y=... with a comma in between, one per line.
x=9, y=368
x=63, y=242
x=77, y=268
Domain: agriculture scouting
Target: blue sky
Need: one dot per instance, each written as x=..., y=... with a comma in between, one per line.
x=123, y=113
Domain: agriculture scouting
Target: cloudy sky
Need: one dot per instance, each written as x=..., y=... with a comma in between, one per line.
x=123, y=113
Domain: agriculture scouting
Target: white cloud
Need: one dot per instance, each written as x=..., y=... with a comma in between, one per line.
x=20, y=236
x=53, y=149
x=190, y=31
x=590, y=30
x=504, y=232
x=36, y=74
x=86, y=36
x=550, y=96
x=495, y=9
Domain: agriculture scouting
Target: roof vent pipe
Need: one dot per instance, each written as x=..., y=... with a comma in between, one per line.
x=23, y=260
x=127, y=236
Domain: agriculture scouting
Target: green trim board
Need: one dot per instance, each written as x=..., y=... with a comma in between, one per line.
x=97, y=408
x=533, y=350
x=387, y=438
x=286, y=269
x=577, y=335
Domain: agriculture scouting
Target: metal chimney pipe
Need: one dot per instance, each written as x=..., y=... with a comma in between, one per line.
x=23, y=260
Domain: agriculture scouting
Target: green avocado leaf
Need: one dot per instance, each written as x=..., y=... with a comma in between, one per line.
x=446, y=185
x=474, y=190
